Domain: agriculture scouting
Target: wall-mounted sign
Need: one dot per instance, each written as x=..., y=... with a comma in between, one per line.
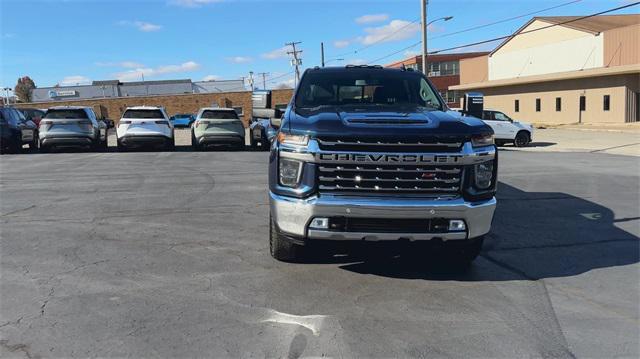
x=62, y=93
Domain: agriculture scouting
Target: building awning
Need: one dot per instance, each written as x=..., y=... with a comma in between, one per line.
x=559, y=76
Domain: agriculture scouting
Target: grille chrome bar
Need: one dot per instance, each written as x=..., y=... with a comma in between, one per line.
x=386, y=169
x=393, y=143
x=394, y=189
x=390, y=178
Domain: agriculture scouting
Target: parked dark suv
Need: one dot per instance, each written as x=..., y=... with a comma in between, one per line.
x=16, y=130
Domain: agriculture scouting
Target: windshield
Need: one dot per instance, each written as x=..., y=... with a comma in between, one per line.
x=54, y=114
x=182, y=115
x=143, y=114
x=365, y=87
x=220, y=115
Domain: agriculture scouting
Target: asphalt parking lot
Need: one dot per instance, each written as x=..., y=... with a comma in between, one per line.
x=165, y=254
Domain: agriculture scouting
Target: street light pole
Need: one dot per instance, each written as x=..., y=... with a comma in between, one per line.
x=423, y=12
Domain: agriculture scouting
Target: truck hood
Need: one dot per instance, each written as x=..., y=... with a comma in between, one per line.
x=406, y=123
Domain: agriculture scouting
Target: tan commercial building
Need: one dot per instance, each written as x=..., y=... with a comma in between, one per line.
x=562, y=70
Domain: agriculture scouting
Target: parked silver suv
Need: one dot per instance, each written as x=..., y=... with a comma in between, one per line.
x=72, y=126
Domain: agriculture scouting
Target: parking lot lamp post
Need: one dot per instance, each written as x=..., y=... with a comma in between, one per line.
x=425, y=25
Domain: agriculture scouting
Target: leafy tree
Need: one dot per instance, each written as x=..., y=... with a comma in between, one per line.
x=23, y=88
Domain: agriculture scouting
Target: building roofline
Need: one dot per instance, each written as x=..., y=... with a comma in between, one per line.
x=559, y=76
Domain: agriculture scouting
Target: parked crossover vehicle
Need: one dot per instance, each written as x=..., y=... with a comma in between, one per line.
x=33, y=114
x=217, y=126
x=371, y=154
x=16, y=130
x=182, y=120
x=144, y=126
x=72, y=126
x=507, y=129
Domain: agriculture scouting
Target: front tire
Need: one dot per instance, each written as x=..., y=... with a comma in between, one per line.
x=33, y=145
x=281, y=248
x=194, y=142
x=170, y=145
x=522, y=139
x=462, y=254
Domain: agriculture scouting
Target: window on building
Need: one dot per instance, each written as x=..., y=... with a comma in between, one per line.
x=239, y=110
x=607, y=102
x=558, y=104
x=538, y=105
x=443, y=68
x=517, y=106
x=583, y=103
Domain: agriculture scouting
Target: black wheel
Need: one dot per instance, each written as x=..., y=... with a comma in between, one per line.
x=194, y=142
x=281, y=248
x=522, y=139
x=462, y=253
x=105, y=144
x=43, y=148
x=33, y=145
x=121, y=147
x=170, y=145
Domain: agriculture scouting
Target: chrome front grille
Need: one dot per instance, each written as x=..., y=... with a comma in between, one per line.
x=390, y=178
x=439, y=144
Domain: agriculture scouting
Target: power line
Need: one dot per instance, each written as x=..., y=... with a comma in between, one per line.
x=457, y=32
x=538, y=29
x=506, y=36
x=296, y=62
x=503, y=20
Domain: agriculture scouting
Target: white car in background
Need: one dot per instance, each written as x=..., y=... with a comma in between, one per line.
x=145, y=126
x=508, y=130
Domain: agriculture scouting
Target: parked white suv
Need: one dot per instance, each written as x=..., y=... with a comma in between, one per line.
x=145, y=126
x=508, y=130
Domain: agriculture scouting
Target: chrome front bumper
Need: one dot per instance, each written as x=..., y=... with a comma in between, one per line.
x=292, y=216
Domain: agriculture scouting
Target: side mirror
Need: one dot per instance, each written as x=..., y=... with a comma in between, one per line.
x=275, y=122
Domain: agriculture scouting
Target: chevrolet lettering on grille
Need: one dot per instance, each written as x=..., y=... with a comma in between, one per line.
x=387, y=158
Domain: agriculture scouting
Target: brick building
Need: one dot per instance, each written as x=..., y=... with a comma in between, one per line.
x=444, y=72
x=112, y=108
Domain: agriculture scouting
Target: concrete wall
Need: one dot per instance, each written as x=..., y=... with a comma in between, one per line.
x=113, y=108
x=622, y=46
x=556, y=49
x=617, y=87
x=475, y=69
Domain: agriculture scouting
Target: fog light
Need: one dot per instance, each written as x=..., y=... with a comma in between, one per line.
x=457, y=225
x=320, y=223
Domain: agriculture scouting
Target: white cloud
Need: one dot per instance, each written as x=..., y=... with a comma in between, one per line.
x=8, y=35
x=239, y=59
x=75, y=80
x=341, y=43
x=411, y=53
x=277, y=53
x=125, y=64
x=373, y=18
x=211, y=78
x=141, y=25
x=193, y=3
x=136, y=74
x=355, y=62
x=396, y=30
x=286, y=84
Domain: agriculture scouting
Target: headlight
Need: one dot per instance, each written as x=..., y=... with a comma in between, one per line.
x=289, y=171
x=299, y=140
x=484, y=175
x=481, y=140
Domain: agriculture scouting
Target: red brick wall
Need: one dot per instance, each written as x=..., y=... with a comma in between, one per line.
x=113, y=108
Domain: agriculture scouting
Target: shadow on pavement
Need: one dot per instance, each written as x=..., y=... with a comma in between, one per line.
x=534, y=235
x=532, y=144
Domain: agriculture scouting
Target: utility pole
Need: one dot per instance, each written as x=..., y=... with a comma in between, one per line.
x=264, y=79
x=251, y=80
x=322, y=53
x=424, y=4
x=295, y=61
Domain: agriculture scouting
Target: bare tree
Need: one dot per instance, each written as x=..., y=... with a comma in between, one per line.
x=23, y=88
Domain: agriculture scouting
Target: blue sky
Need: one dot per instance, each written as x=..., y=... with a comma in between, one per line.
x=71, y=41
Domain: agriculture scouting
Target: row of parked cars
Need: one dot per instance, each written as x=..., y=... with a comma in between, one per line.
x=140, y=126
